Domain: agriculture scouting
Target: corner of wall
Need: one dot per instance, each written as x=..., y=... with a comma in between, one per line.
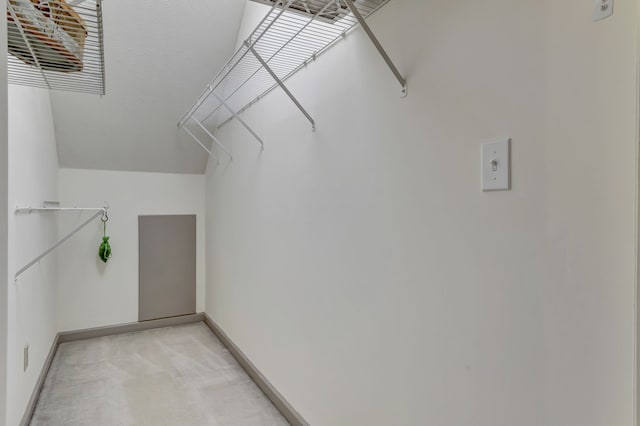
x=636, y=375
x=32, y=177
x=3, y=219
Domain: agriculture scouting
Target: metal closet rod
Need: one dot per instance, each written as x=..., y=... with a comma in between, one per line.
x=60, y=209
x=100, y=211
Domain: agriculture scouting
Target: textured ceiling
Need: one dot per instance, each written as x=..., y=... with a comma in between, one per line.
x=159, y=55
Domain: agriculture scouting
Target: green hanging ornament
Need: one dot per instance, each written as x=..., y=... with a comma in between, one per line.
x=104, y=251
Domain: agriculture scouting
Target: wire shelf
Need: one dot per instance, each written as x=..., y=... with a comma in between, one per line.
x=56, y=45
x=291, y=35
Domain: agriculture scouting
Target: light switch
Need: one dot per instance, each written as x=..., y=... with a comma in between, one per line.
x=603, y=9
x=496, y=166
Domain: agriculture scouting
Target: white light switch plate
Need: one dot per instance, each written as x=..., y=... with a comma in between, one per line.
x=603, y=9
x=496, y=166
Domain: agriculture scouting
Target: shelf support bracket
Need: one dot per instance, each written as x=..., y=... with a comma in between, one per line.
x=201, y=144
x=281, y=84
x=56, y=245
x=237, y=117
x=204, y=129
x=376, y=43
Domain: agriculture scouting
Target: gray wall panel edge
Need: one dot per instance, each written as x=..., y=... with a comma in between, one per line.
x=70, y=336
x=33, y=401
x=269, y=390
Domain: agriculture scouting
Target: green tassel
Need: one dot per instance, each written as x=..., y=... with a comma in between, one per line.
x=104, y=251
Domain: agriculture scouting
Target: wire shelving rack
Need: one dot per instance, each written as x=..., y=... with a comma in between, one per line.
x=291, y=35
x=40, y=55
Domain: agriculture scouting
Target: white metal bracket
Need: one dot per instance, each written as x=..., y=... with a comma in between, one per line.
x=376, y=43
x=195, y=138
x=281, y=84
x=99, y=212
x=204, y=129
x=246, y=126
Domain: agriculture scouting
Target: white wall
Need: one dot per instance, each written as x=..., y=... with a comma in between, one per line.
x=591, y=179
x=362, y=270
x=3, y=219
x=33, y=178
x=92, y=293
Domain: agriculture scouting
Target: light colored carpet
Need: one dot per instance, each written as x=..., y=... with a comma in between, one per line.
x=178, y=375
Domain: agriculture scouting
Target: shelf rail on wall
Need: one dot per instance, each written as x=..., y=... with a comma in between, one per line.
x=291, y=35
x=99, y=211
x=56, y=44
